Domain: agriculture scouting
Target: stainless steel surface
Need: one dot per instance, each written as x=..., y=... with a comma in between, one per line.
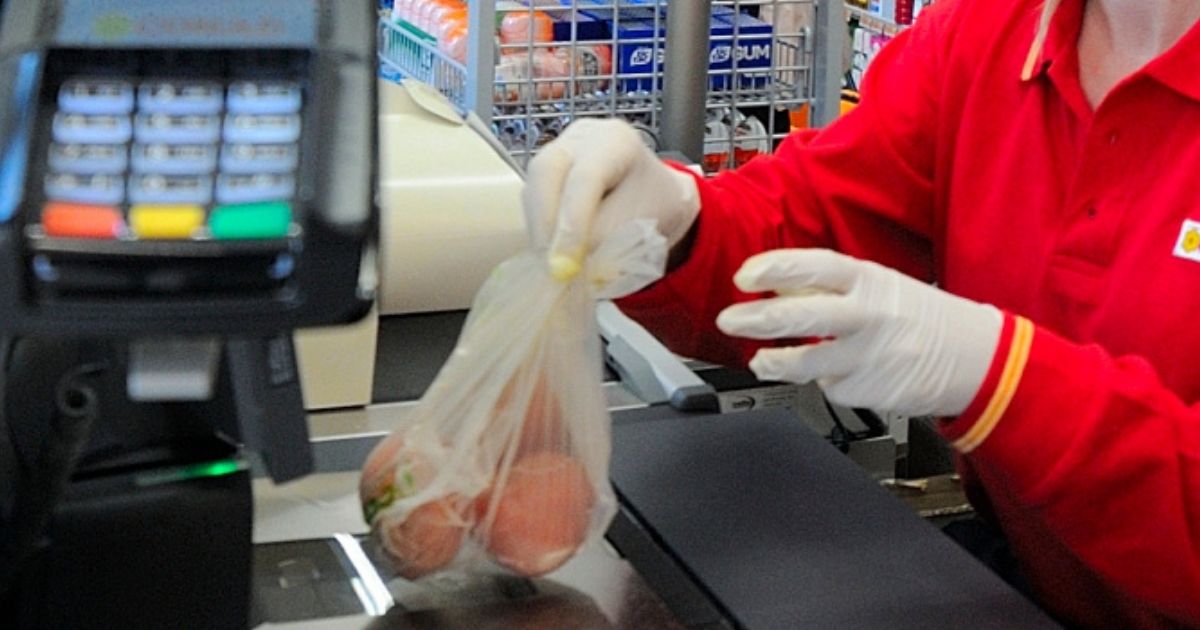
x=313, y=570
x=685, y=78
x=380, y=419
x=326, y=581
x=830, y=35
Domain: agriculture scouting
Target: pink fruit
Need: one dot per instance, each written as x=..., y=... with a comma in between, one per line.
x=427, y=538
x=542, y=514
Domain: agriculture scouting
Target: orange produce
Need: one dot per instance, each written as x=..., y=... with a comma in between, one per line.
x=423, y=539
x=427, y=13
x=541, y=515
x=392, y=472
x=542, y=428
x=427, y=538
x=453, y=43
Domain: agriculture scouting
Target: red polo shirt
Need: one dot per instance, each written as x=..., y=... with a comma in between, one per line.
x=1082, y=225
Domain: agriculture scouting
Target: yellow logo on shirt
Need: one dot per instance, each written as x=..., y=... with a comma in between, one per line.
x=1188, y=244
x=1191, y=240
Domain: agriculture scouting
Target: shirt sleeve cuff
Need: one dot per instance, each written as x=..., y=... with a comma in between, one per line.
x=987, y=409
x=674, y=310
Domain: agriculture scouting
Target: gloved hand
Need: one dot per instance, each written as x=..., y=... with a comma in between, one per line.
x=896, y=344
x=596, y=176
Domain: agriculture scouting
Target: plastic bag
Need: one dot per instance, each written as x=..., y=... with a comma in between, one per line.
x=505, y=466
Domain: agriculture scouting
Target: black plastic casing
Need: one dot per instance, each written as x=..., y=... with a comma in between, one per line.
x=333, y=278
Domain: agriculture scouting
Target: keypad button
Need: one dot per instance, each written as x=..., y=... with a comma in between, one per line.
x=180, y=98
x=73, y=220
x=166, y=221
x=250, y=221
x=89, y=189
x=266, y=129
x=259, y=158
x=170, y=189
x=264, y=97
x=234, y=189
x=174, y=159
x=68, y=128
x=96, y=96
x=168, y=129
x=88, y=158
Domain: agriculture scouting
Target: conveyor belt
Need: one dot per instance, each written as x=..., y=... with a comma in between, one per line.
x=783, y=531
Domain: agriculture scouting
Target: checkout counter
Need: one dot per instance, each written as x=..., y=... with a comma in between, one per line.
x=734, y=512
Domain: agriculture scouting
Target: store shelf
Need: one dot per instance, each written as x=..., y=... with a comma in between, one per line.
x=874, y=21
x=755, y=67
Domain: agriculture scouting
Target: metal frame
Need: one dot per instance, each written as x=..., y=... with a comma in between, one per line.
x=685, y=78
x=830, y=37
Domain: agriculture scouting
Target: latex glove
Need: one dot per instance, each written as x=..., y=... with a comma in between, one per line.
x=596, y=176
x=897, y=344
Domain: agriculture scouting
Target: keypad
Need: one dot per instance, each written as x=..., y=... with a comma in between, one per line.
x=167, y=159
x=96, y=96
x=181, y=98
x=174, y=159
x=82, y=159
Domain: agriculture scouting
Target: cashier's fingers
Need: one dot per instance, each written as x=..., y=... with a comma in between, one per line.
x=815, y=315
x=606, y=152
x=544, y=181
x=826, y=363
x=798, y=270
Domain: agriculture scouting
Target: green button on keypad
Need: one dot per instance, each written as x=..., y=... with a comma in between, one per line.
x=251, y=220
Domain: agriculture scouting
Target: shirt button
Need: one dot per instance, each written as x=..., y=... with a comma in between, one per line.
x=1112, y=138
x=1091, y=212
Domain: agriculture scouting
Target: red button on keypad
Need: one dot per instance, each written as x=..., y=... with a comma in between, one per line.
x=77, y=220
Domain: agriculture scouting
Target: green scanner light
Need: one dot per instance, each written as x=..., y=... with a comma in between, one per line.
x=219, y=468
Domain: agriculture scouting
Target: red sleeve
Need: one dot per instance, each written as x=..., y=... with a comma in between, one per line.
x=863, y=186
x=1093, y=467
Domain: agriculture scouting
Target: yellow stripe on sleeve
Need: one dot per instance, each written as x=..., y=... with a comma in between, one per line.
x=1010, y=377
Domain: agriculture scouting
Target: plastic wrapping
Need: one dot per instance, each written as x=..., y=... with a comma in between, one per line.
x=523, y=27
x=505, y=466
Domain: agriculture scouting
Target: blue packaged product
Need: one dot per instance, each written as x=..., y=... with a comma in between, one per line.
x=588, y=28
x=720, y=61
x=637, y=52
x=755, y=40
x=625, y=15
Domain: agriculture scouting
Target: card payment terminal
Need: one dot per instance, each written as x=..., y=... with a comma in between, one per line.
x=183, y=167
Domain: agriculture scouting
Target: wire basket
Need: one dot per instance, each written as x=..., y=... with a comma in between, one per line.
x=559, y=60
x=407, y=51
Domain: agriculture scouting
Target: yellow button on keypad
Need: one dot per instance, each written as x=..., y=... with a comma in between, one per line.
x=165, y=221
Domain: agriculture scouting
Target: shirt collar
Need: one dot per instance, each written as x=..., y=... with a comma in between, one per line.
x=1061, y=37
x=1179, y=67
x=1176, y=68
